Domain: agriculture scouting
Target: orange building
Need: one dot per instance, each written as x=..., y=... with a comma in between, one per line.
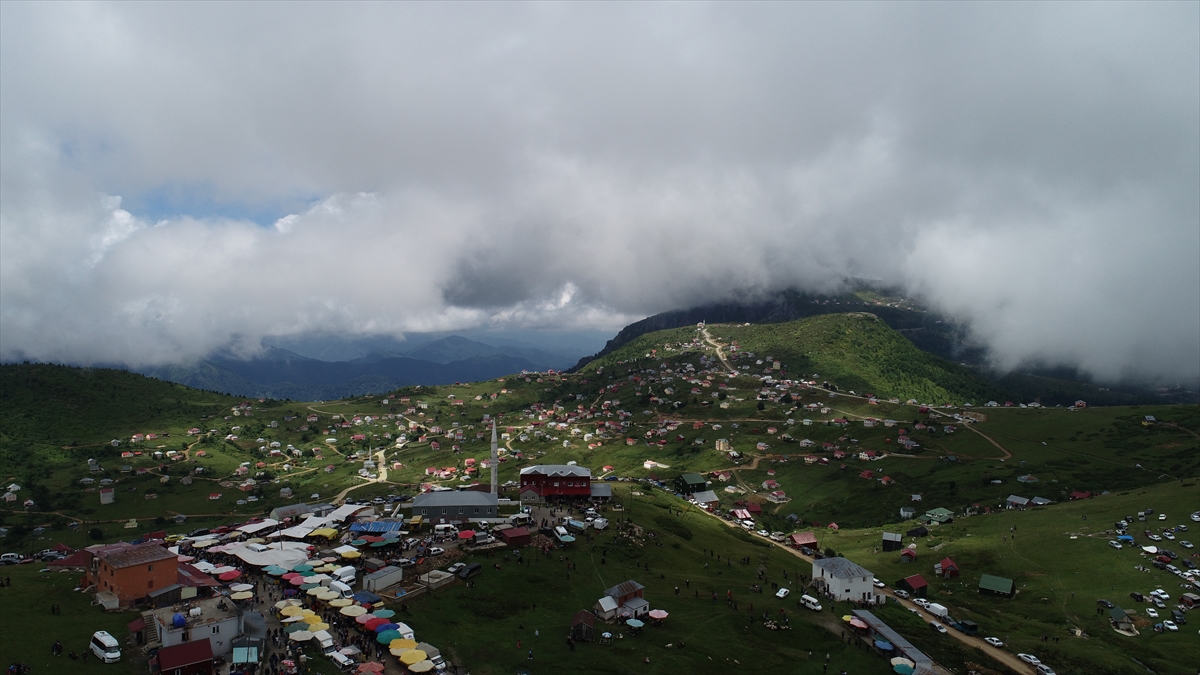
x=133, y=571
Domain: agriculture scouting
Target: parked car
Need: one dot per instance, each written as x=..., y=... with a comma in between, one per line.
x=1105, y=603
x=782, y=593
x=1185, y=544
x=1044, y=669
x=1029, y=658
x=899, y=593
x=994, y=641
x=878, y=583
x=921, y=602
x=1114, y=543
x=1170, y=625
x=938, y=627
x=436, y=551
x=453, y=569
x=1137, y=597
x=1152, y=613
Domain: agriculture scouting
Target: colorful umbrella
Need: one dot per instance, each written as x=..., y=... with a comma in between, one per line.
x=381, y=544
x=386, y=637
x=363, y=617
x=242, y=595
x=314, y=627
x=421, y=666
x=376, y=621
x=658, y=614
x=384, y=613
x=292, y=610
x=359, y=542
x=634, y=623
x=353, y=610
x=402, y=644
x=341, y=602
x=296, y=580
x=466, y=534
x=230, y=576
x=308, y=585
x=351, y=554
x=293, y=619
x=902, y=669
x=413, y=656
x=286, y=603
x=301, y=636
x=370, y=667
x=386, y=627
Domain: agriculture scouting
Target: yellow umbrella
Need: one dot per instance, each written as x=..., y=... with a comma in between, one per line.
x=287, y=603
x=327, y=596
x=309, y=612
x=243, y=595
x=292, y=610
x=412, y=656
x=402, y=644
x=351, y=554
x=846, y=617
x=341, y=602
x=314, y=627
x=353, y=610
x=421, y=666
x=317, y=590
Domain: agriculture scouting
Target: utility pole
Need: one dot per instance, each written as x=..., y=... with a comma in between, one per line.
x=495, y=460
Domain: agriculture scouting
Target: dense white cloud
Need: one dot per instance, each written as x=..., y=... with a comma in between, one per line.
x=1030, y=169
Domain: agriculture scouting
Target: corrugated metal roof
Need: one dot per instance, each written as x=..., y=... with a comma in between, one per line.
x=556, y=470
x=841, y=568
x=454, y=498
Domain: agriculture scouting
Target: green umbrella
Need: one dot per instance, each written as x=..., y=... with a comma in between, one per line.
x=386, y=637
x=384, y=613
x=299, y=625
x=379, y=544
x=305, y=587
x=358, y=542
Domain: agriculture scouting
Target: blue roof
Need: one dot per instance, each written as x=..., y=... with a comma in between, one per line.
x=377, y=526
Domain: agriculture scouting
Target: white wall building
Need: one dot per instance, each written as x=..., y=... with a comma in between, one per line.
x=845, y=581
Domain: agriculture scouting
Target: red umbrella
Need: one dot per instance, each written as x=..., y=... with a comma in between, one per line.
x=297, y=580
x=370, y=667
x=230, y=576
x=290, y=575
x=466, y=534
x=371, y=539
x=363, y=618
x=376, y=621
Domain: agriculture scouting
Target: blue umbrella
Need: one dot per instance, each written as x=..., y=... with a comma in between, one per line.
x=903, y=669
x=634, y=623
x=884, y=645
x=386, y=626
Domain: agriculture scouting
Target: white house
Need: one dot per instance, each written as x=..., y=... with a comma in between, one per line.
x=845, y=581
x=214, y=619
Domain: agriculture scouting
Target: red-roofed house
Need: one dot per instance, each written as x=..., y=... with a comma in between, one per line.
x=1080, y=495
x=946, y=569
x=868, y=474
x=189, y=658
x=908, y=555
x=915, y=584
x=799, y=539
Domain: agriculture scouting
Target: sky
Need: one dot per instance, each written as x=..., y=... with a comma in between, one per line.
x=178, y=178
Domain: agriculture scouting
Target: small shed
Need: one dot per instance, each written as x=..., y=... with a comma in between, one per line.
x=606, y=608
x=997, y=585
x=189, y=658
x=908, y=555
x=1120, y=620
x=946, y=569
x=583, y=626
x=892, y=542
x=915, y=584
x=920, y=531
x=515, y=536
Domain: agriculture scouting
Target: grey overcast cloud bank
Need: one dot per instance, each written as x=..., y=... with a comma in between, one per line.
x=1031, y=169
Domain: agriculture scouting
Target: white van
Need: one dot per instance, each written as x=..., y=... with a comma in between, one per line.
x=345, y=575
x=342, y=589
x=810, y=602
x=105, y=647
x=445, y=530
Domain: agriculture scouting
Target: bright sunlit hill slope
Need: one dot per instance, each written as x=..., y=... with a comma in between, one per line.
x=854, y=351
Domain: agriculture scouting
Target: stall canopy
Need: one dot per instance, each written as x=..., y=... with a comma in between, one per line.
x=252, y=528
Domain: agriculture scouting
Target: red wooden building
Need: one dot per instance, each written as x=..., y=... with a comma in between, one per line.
x=189, y=658
x=558, y=480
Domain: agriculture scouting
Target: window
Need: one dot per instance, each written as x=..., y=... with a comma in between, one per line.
x=443, y=512
x=460, y=512
x=476, y=510
x=216, y=629
x=150, y=568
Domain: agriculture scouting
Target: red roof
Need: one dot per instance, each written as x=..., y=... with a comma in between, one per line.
x=76, y=559
x=948, y=564
x=196, y=651
x=916, y=581
x=137, y=625
x=908, y=552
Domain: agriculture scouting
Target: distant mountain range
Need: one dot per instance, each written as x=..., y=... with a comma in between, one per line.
x=283, y=374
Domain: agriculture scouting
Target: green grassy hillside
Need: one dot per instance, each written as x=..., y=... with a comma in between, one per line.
x=854, y=351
